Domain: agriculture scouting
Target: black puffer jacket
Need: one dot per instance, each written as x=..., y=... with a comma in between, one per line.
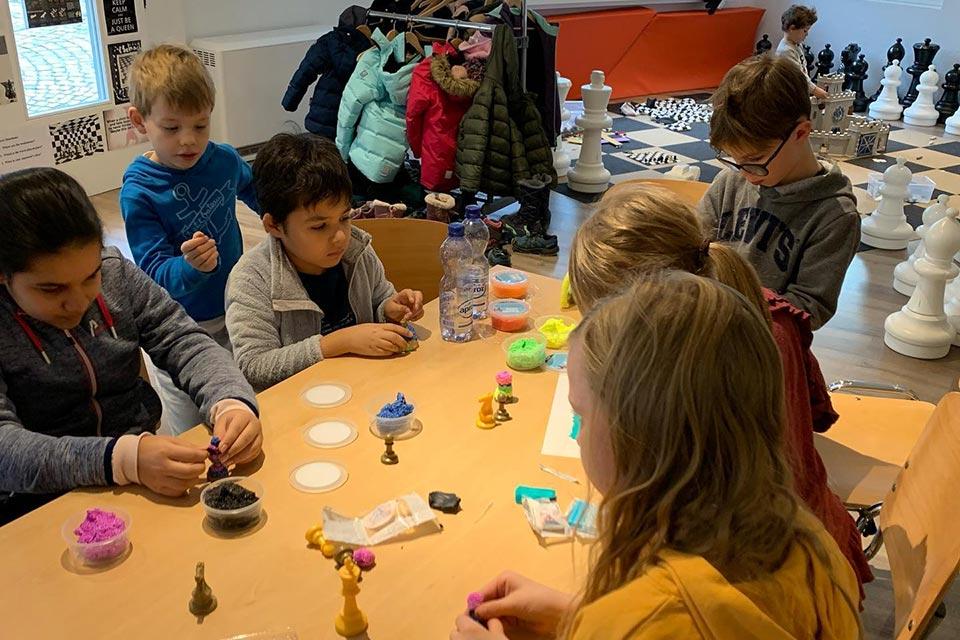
x=332, y=58
x=501, y=139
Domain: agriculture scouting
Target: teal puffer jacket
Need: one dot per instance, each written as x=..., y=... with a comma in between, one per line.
x=371, y=122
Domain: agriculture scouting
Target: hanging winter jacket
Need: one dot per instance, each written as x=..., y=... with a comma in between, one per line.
x=371, y=123
x=332, y=58
x=501, y=139
x=435, y=108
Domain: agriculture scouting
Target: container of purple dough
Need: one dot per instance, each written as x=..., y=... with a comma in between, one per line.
x=97, y=536
x=393, y=413
x=233, y=503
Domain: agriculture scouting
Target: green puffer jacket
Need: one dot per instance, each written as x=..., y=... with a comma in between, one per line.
x=501, y=139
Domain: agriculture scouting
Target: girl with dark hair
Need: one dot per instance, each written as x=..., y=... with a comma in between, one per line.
x=74, y=315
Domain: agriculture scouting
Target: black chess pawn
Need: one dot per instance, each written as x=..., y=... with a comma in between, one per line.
x=808, y=58
x=895, y=52
x=847, y=57
x=861, y=102
x=825, y=60
x=763, y=45
x=923, y=54
x=950, y=100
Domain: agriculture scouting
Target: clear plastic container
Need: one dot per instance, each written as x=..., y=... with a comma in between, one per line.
x=234, y=519
x=391, y=426
x=556, y=329
x=94, y=553
x=920, y=188
x=509, y=315
x=509, y=284
x=526, y=352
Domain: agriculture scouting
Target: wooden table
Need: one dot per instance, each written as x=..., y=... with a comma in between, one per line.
x=269, y=579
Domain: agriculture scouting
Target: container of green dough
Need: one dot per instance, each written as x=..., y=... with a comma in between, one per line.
x=556, y=330
x=526, y=352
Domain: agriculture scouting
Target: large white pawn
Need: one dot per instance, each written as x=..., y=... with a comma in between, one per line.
x=590, y=176
x=905, y=275
x=922, y=112
x=887, y=105
x=952, y=125
x=561, y=157
x=887, y=227
x=952, y=308
x=920, y=329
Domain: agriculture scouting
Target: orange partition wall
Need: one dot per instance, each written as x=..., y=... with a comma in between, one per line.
x=644, y=52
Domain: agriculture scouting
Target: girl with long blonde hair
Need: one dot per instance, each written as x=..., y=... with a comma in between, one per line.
x=701, y=535
x=640, y=228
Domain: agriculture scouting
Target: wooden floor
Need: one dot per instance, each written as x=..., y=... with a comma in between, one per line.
x=849, y=346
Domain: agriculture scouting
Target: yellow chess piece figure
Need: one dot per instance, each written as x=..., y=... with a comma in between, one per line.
x=485, y=419
x=350, y=621
x=315, y=537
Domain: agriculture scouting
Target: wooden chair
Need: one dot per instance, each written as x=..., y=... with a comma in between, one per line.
x=410, y=251
x=918, y=523
x=691, y=191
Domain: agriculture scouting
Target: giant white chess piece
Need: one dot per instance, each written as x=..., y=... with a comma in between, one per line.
x=952, y=308
x=922, y=113
x=590, y=176
x=921, y=329
x=887, y=227
x=952, y=125
x=561, y=157
x=905, y=275
x=887, y=106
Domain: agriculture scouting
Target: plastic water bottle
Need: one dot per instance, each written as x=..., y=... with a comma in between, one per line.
x=456, y=286
x=478, y=235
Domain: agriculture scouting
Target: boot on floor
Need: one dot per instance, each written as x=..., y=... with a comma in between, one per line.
x=542, y=245
x=534, y=215
x=440, y=207
x=494, y=252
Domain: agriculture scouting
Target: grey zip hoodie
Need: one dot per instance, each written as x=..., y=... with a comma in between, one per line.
x=800, y=237
x=66, y=396
x=274, y=326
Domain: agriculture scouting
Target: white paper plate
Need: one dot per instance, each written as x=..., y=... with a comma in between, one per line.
x=330, y=434
x=318, y=476
x=327, y=394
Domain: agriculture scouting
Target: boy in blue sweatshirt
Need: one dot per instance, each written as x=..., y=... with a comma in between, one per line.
x=179, y=201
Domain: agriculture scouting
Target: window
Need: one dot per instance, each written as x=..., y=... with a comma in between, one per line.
x=61, y=65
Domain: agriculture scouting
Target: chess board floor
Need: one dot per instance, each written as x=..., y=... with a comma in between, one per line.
x=929, y=152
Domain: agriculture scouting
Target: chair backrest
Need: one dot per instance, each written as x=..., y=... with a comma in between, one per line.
x=918, y=521
x=690, y=190
x=410, y=251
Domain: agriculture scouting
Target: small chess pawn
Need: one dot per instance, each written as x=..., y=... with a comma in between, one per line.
x=485, y=419
x=589, y=175
x=905, y=275
x=561, y=157
x=389, y=456
x=217, y=469
x=887, y=105
x=825, y=60
x=351, y=621
x=921, y=328
x=950, y=100
x=502, y=414
x=922, y=113
x=763, y=45
x=202, y=601
x=887, y=227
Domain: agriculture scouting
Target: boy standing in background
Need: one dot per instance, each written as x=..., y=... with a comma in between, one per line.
x=796, y=23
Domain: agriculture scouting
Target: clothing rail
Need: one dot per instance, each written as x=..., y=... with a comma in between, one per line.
x=523, y=39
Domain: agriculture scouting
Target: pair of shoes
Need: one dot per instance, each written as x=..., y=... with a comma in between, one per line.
x=543, y=245
x=440, y=207
x=495, y=253
x=378, y=209
x=497, y=256
x=629, y=109
x=534, y=215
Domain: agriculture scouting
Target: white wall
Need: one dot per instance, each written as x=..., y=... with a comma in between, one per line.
x=220, y=17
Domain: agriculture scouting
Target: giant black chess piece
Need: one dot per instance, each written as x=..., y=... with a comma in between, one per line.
x=847, y=57
x=858, y=75
x=923, y=54
x=950, y=100
x=825, y=60
x=763, y=45
x=808, y=58
x=895, y=52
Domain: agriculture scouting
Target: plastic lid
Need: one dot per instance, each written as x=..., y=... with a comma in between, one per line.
x=455, y=230
x=472, y=211
x=509, y=307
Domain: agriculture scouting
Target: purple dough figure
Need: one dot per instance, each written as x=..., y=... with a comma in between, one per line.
x=217, y=469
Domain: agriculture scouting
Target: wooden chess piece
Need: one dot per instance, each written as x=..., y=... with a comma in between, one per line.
x=895, y=52
x=950, y=100
x=857, y=78
x=351, y=621
x=923, y=55
x=485, y=419
x=825, y=60
x=389, y=456
x=202, y=601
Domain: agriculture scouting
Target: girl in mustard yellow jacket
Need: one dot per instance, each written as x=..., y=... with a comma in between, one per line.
x=678, y=384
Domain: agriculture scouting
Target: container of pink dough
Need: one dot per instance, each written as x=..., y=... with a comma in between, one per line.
x=97, y=536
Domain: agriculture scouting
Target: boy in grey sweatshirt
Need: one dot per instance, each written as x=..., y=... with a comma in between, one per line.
x=315, y=287
x=792, y=217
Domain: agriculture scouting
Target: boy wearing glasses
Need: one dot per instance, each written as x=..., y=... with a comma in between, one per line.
x=792, y=217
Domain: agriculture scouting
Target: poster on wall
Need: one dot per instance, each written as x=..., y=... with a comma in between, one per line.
x=120, y=16
x=121, y=57
x=77, y=138
x=8, y=86
x=28, y=145
x=50, y=13
x=120, y=131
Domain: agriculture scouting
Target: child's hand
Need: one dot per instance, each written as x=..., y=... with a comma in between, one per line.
x=169, y=466
x=819, y=93
x=201, y=252
x=405, y=306
x=369, y=339
x=469, y=629
x=523, y=604
x=241, y=436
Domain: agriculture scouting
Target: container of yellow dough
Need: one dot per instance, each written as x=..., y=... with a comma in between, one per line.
x=556, y=330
